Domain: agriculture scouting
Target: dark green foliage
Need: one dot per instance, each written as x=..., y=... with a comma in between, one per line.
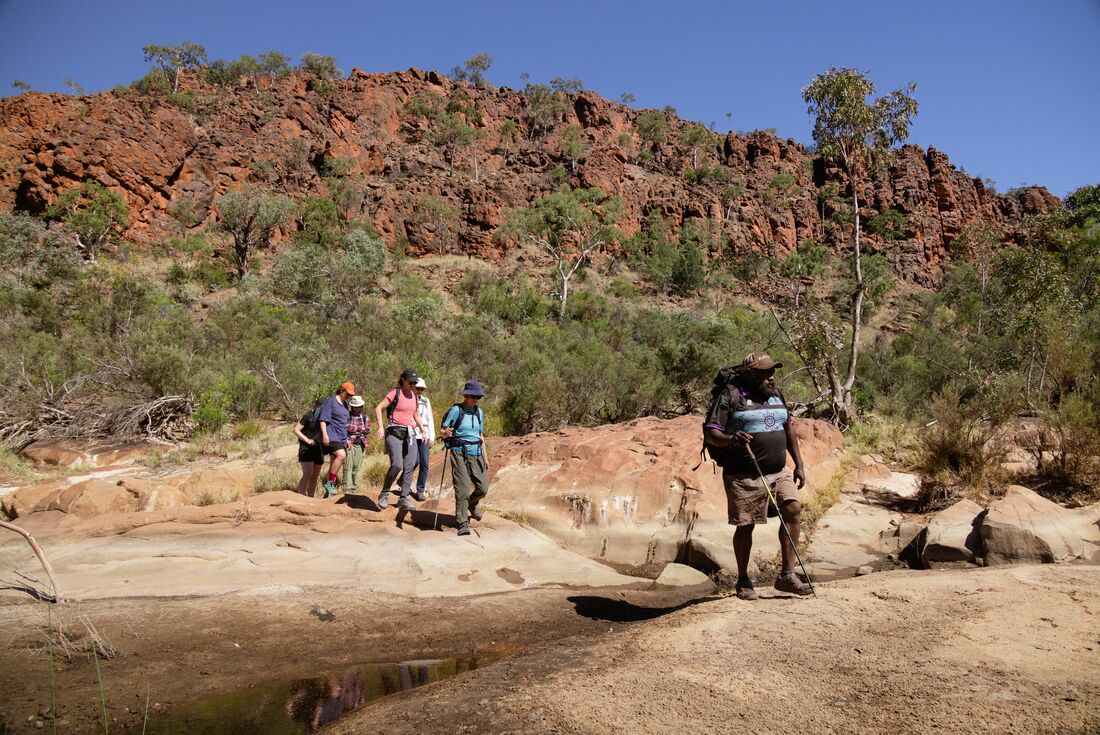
x=93, y=213
x=889, y=224
x=809, y=260
x=544, y=109
x=320, y=66
x=672, y=262
x=250, y=217
x=705, y=173
x=320, y=222
x=473, y=69
x=171, y=61
x=1083, y=205
x=566, y=86
x=653, y=126
x=33, y=256
x=223, y=73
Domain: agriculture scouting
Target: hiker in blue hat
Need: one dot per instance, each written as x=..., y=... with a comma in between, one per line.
x=463, y=428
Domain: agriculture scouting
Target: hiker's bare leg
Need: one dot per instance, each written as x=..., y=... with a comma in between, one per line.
x=337, y=462
x=742, y=548
x=791, y=511
x=307, y=485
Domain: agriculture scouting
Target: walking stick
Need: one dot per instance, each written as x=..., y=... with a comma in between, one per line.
x=771, y=499
x=439, y=495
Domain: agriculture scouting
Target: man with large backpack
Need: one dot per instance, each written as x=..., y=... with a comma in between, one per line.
x=402, y=418
x=463, y=433
x=748, y=418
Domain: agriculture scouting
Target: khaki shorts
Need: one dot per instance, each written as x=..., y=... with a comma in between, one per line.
x=747, y=500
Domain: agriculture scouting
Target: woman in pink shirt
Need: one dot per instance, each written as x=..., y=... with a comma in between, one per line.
x=401, y=406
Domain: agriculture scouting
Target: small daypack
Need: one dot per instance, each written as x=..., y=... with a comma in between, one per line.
x=311, y=427
x=463, y=412
x=393, y=404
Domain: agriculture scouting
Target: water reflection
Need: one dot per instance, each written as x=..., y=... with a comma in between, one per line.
x=305, y=705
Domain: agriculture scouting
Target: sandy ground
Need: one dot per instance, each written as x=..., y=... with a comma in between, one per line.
x=1010, y=649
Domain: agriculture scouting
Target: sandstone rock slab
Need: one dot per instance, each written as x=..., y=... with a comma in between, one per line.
x=891, y=490
x=684, y=578
x=952, y=534
x=1024, y=527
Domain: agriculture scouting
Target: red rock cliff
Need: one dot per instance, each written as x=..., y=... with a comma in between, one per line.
x=279, y=133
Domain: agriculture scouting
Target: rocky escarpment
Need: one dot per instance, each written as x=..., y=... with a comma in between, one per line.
x=765, y=197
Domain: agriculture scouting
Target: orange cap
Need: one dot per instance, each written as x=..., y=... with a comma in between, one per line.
x=349, y=387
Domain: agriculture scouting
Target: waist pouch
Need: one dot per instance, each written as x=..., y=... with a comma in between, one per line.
x=401, y=432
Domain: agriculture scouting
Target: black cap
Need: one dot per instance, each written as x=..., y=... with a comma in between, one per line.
x=410, y=375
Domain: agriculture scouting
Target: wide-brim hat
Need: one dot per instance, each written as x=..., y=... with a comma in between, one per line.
x=759, y=361
x=473, y=388
x=421, y=384
x=356, y=401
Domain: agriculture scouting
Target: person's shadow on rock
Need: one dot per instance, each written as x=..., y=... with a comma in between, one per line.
x=425, y=520
x=621, y=611
x=358, y=502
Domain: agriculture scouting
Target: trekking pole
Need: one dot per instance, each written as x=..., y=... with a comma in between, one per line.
x=771, y=499
x=439, y=496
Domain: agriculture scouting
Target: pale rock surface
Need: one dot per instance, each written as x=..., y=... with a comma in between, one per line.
x=896, y=487
x=684, y=577
x=952, y=535
x=847, y=537
x=1024, y=527
x=281, y=538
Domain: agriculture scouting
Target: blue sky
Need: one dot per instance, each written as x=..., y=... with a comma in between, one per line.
x=1010, y=90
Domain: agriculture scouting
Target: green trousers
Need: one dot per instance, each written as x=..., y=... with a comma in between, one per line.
x=352, y=464
x=468, y=473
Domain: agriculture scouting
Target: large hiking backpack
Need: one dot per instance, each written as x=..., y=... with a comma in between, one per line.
x=724, y=381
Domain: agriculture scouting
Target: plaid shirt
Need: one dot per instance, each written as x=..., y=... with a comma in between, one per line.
x=358, y=430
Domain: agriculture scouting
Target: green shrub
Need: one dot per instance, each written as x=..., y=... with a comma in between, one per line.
x=688, y=272
x=783, y=183
x=889, y=224
x=182, y=100
x=212, y=410
x=652, y=126
x=209, y=275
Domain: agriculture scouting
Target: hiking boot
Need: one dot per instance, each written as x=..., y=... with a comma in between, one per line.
x=745, y=590
x=476, y=514
x=464, y=529
x=420, y=497
x=330, y=488
x=384, y=501
x=407, y=504
x=788, y=582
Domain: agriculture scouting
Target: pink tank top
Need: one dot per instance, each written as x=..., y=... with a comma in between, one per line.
x=404, y=414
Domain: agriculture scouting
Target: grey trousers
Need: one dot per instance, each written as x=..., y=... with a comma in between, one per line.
x=404, y=457
x=467, y=472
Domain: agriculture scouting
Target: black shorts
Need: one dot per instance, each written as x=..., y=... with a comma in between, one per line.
x=306, y=453
x=332, y=448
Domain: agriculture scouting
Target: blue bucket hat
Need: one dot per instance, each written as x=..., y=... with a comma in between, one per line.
x=473, y=388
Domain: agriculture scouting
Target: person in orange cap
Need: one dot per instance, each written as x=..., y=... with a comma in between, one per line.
x=334, y=432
